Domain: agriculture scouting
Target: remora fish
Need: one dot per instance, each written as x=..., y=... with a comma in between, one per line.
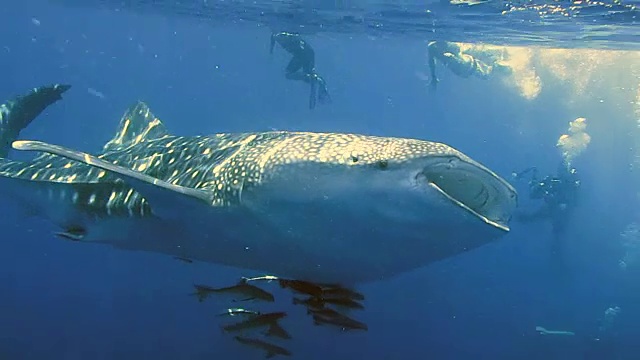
x=255, y=322
x=276, y=330
x=332, y=317
x=320, y=207
x=270, y=349
x=242, y=291
x=338, y=292
x=317, y=303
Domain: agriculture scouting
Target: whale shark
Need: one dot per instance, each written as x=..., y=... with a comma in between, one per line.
x=332, y=208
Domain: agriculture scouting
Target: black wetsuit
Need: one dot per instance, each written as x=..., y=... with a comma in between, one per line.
x=560, y=195
x=302, y=64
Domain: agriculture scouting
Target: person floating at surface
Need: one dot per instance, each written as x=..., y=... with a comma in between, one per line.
x=302, y=65
x=460, y=63
x=560, y=196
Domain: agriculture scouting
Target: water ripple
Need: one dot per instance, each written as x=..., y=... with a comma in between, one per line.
x=594, y=24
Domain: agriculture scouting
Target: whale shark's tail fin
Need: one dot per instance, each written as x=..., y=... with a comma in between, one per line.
x=17, y=113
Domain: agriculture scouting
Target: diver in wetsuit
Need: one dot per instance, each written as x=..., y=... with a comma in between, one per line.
x=462, y=64
x=302, y=64
x=560, y=195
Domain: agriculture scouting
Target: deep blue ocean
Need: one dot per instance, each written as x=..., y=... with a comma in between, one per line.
x=211, y=72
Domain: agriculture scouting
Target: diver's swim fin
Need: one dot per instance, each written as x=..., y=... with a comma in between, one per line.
x=313, y=95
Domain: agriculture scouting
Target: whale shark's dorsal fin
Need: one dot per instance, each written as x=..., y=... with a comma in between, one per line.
x=137, y=124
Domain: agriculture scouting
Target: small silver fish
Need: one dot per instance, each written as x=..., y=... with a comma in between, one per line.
x=267, y=278
x=239, y=311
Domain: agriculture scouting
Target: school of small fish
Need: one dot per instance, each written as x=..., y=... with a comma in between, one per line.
x=325, y=304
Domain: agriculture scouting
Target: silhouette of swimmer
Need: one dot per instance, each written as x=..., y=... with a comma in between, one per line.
x=559, y=194
x=302, y=65
x=462, y=64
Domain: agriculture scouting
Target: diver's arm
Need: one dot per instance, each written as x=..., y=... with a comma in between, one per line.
x=313, y=95
x=432, y=66
x=273, y=42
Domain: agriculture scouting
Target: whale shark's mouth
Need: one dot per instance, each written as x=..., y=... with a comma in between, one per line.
x=473, y=188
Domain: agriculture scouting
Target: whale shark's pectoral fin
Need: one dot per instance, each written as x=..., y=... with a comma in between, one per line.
x=165, y=199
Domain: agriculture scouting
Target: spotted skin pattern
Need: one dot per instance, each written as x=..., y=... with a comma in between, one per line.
x=295, y=204
x=223, y=164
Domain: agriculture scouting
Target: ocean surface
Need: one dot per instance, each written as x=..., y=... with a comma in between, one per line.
x=204, y=67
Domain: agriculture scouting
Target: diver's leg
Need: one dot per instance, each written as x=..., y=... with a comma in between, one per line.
x=313, y=95
x=292, y=69
x=558, y=248
x=463, y=65
x=308, y=59
x=482, y=70
x=323, y=93
x=431, y=60
x=299, y=76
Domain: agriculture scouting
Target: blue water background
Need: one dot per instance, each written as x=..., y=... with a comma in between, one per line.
x=64, y=300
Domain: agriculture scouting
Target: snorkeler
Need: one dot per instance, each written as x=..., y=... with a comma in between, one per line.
x=302, y=64
x=460, y=63
x=559, y=194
